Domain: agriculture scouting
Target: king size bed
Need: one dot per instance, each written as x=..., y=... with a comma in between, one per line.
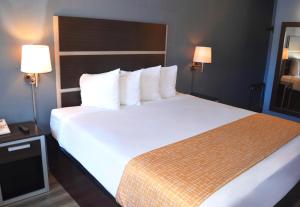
x=105, y=141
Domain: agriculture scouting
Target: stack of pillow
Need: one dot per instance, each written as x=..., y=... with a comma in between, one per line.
x=112, y=89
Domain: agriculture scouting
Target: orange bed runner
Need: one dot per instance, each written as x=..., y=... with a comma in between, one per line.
x=187, y=172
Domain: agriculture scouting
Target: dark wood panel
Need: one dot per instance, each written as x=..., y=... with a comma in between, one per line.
x=85, y=34
x=70, y=99
x=72, y=67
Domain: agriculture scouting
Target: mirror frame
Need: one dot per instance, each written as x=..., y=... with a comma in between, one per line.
x=273, y=106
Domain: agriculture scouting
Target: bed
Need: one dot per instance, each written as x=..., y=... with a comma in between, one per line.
x=104, y=141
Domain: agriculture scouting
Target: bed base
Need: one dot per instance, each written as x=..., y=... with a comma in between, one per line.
x=88, y=192
x=76, y=180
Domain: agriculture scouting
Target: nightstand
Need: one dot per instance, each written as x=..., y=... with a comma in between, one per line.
x=199, y=95
x=23, y=164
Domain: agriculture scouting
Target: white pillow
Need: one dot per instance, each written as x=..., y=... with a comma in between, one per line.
x=101, y=90
x=168, y=76
x=130, y=88
x=150, y=84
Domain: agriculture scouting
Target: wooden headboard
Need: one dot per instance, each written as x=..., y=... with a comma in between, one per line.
x=85, y=45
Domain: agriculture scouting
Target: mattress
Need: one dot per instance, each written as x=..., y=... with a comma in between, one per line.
x=104, y=141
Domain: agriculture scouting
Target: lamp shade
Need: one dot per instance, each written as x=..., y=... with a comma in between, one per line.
x=285, y=54
x=35, y=59
x=203, y=55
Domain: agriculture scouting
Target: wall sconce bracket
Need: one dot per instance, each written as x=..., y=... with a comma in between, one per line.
x=197, y=66
x=31, y=78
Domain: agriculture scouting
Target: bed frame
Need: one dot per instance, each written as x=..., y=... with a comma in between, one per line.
x=85, y=45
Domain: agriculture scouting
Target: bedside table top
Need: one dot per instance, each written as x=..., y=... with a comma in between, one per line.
x=17, y=134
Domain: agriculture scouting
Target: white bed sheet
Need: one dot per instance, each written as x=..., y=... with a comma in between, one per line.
x=104, y=141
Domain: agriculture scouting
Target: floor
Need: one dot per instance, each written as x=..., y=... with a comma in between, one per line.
x=57, y=196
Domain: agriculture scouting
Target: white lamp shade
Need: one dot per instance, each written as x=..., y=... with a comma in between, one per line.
x=203, y=55
x=35, y=59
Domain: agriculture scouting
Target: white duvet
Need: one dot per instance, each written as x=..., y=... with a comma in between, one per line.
x=104, y=141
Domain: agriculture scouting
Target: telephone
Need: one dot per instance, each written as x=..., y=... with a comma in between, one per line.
x=3, y=127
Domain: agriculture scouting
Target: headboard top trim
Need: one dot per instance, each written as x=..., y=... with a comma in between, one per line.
x=71, y=53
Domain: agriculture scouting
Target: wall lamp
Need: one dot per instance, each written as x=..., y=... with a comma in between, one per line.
x=35, y=60
x=202, y=55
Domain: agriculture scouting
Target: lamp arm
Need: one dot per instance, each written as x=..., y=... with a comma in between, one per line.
x=193, y=81
x=32, y=78
x=34, y=103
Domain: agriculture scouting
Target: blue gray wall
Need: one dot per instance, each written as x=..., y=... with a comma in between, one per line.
x=286, y=11
x=234, y=28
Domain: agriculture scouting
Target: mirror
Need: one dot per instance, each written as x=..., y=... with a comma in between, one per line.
x=286, y=87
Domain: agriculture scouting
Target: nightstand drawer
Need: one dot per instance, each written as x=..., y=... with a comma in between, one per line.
x=20, y=151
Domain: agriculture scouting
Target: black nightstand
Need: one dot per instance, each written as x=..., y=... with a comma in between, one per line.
x=199, y=95
x=23, y=164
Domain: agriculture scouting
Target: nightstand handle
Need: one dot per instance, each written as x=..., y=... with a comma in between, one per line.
x=16, y=148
